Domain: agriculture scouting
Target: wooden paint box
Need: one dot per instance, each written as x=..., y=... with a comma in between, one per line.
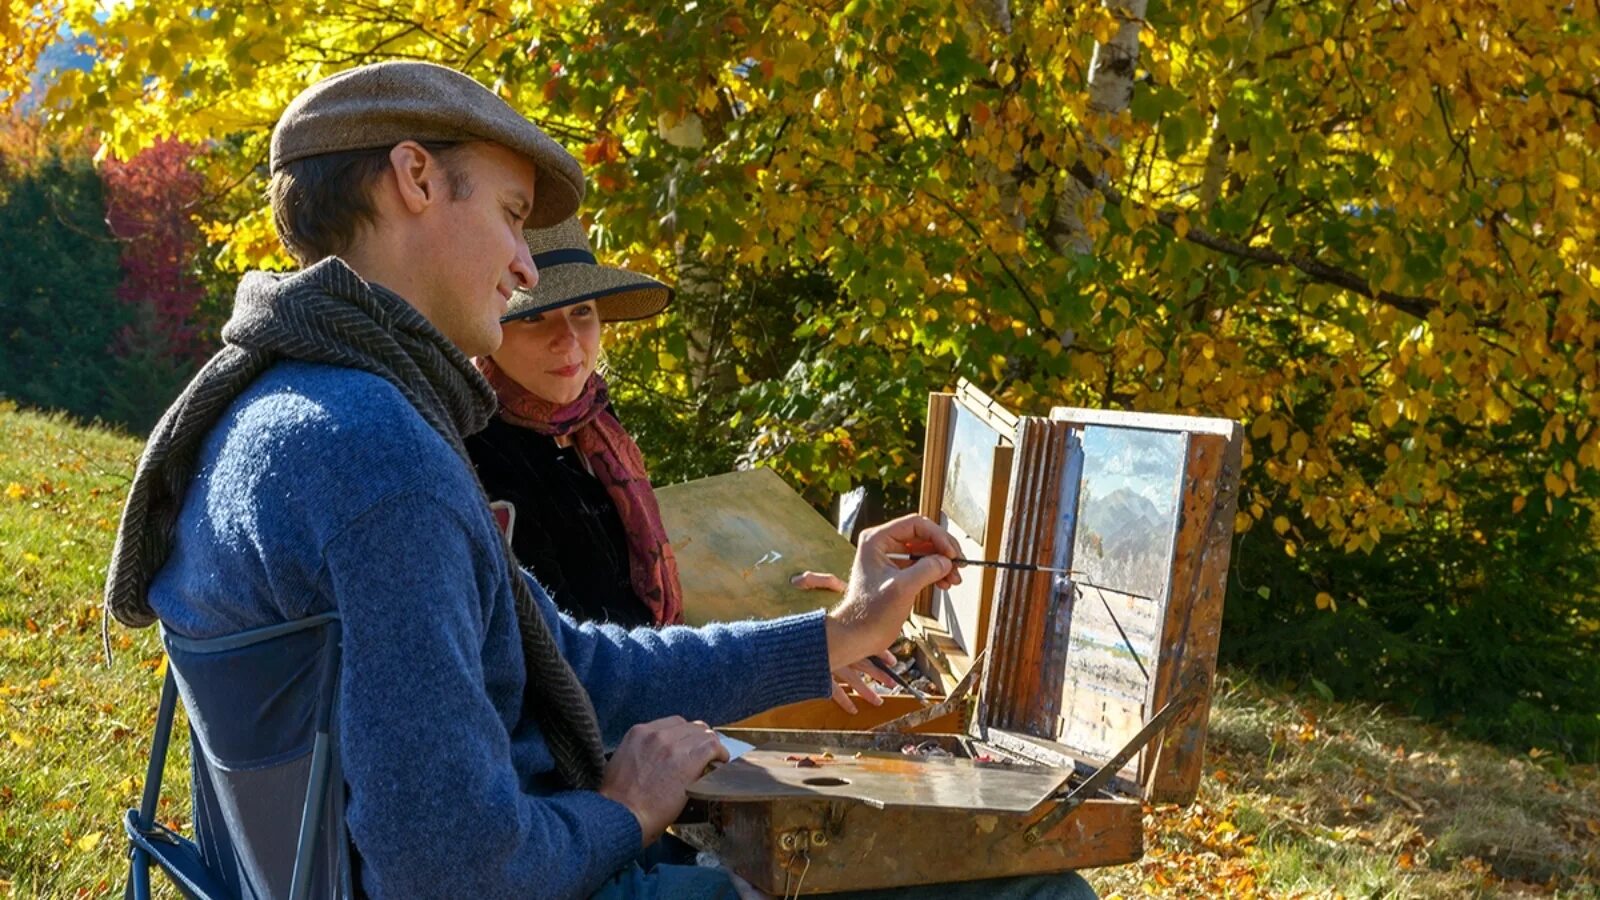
x=1092, y=692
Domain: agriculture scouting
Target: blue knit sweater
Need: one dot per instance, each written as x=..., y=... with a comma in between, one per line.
x=322, y=489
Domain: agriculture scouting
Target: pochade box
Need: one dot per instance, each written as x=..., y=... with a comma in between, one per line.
x=1092, y=692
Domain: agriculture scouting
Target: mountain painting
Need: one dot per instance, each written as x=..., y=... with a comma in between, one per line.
x=1126, y=521
x=1128, y=509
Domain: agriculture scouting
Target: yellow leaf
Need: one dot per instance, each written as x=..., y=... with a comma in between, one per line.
x=1180, y=226
x=1325, y=601
x=22, y=740
x=89, y=841
x=1280, y=524
x=16, y=491
x=1517, y=503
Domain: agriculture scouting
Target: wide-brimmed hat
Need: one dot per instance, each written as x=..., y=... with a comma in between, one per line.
x=379, y=105
x=568, y=274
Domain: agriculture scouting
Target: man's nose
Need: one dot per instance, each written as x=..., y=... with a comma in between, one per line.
x=523, y=268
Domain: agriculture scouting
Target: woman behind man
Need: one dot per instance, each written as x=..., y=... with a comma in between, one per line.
x=567, y=480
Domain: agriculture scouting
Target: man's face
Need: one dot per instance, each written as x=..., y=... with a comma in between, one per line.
x=473, y=247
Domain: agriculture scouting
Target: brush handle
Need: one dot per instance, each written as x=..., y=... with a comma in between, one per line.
x=896, y=677
x=992, y=564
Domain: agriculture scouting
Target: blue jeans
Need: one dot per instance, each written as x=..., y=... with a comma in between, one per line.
x=668, y=882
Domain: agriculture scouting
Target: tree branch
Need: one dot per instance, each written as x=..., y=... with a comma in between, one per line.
x=1310, y=266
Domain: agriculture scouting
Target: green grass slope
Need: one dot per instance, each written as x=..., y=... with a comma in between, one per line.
x=1301, y=798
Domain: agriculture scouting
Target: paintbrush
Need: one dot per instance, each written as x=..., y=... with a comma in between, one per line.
x=897, y=678
x=993, y=564
x=1020, y=567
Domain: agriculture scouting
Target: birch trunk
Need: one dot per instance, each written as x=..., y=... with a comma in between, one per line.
x=1110, y=90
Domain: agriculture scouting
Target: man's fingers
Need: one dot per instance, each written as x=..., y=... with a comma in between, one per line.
x=841, y=698
x=853, y=677
x=888, y=659
x=927, y=571
x=915, y=530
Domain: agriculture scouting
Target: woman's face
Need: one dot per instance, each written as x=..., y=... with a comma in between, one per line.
x=553, y=353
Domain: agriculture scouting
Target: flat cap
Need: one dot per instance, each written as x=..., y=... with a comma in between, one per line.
x=379, y=105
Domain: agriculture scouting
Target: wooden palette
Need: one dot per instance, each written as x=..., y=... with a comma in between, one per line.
x=879, y=779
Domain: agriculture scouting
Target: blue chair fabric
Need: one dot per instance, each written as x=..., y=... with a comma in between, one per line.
x=267, y=792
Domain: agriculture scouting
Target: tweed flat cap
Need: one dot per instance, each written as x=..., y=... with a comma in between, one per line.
x=568, y=274
x=380, y=105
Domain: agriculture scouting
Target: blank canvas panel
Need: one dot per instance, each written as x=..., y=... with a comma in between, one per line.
x=959, y=608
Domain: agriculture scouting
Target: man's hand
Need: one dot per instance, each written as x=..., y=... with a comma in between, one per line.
x=857, y=674
x=654, y=765
x=881, y=589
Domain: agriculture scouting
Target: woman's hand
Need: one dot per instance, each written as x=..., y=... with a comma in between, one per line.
x=819, y=581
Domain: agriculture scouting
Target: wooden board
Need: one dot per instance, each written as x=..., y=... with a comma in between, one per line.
x=1205, y=542
x=739, y=538
x=819, y=847
x=823, y=844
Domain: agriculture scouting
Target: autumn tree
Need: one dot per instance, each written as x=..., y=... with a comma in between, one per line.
x=58, y=277
x=1363, y=230
x=151, y=201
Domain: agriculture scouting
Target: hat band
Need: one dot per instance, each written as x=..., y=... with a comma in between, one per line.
x=552, y=258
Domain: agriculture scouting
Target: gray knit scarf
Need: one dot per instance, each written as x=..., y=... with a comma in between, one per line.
x=327, y=314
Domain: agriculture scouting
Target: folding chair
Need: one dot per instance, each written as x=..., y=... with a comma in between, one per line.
x=268, y=794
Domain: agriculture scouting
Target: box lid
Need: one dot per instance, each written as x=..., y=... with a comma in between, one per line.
x=1138, y=510
x=966, y=467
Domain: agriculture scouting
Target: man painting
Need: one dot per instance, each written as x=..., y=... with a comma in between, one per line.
x=316, y=465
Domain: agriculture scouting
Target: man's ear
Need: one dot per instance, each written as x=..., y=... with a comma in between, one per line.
x=418, y=176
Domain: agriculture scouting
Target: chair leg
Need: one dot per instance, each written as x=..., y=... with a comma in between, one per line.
x=138, y=876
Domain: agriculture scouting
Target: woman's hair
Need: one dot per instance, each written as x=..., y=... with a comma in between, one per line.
x=320, y=203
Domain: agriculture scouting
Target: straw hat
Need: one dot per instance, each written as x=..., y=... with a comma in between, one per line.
x=568, y=274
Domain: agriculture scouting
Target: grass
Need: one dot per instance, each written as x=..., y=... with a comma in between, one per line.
x=1302, y=798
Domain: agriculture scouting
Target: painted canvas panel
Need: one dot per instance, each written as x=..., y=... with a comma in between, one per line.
x=1124, y=522
x=970, y=472
x=1128, y=509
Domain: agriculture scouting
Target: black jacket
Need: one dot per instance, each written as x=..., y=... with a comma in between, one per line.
x=567, y=531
